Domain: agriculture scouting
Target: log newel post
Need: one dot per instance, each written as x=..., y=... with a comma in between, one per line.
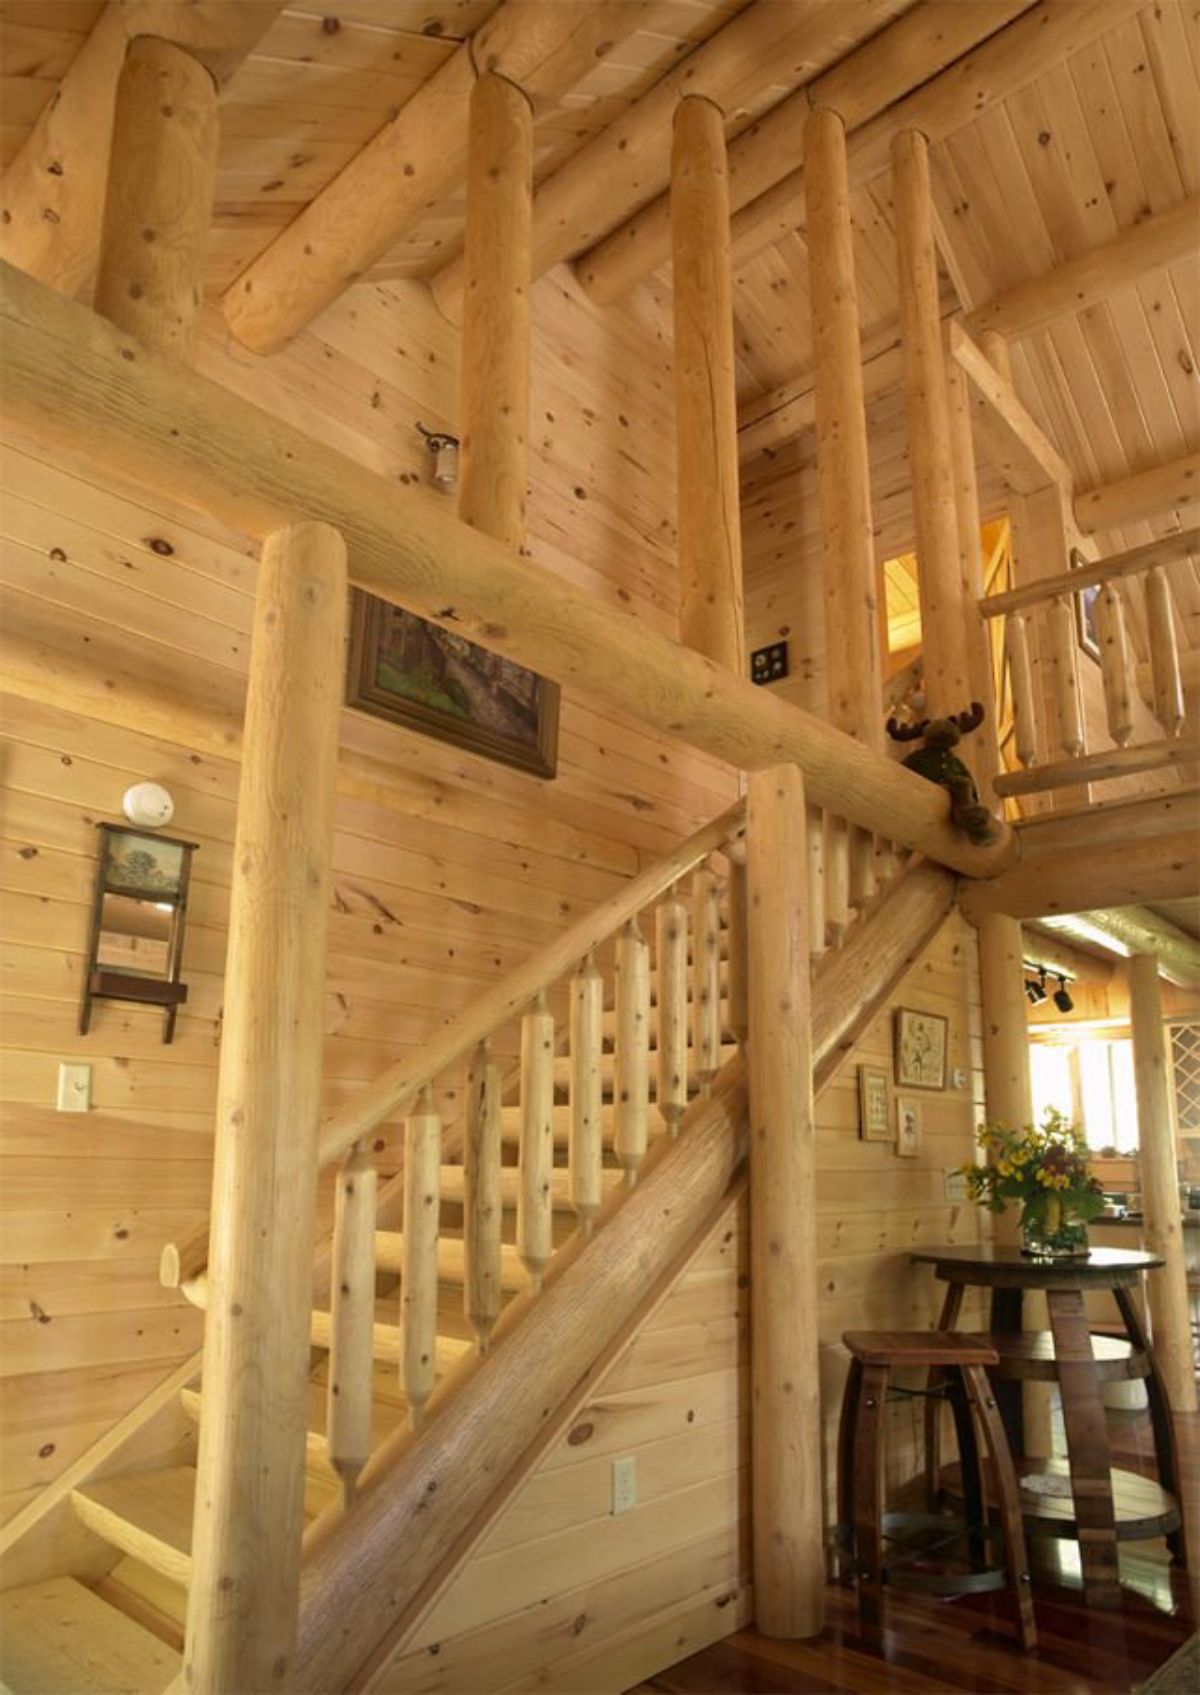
x=1166, y=1289
x=250, y=1487
x=789, y=1566
x=935, y=517
x=158, y=205
x=710, y=544
x=981, y=751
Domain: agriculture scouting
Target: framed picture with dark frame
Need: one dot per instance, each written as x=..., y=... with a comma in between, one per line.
x=412, y=672
x=920, y=1049
x=1085, y=610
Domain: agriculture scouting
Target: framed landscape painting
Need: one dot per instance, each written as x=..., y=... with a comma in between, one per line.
x=412, y=672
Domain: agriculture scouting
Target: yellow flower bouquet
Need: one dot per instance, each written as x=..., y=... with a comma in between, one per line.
x=1045, y=1168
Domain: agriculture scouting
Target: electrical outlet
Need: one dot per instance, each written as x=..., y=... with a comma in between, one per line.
x=74, y=1088
x=624, y=1484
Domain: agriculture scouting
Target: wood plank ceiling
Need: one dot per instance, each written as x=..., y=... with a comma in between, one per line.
x=1085, y=150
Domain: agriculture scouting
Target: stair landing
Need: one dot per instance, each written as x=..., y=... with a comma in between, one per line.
x=58, y=1638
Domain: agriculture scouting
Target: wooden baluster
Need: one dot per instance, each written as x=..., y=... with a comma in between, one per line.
x=587, y=1109
x=1064, y=674
x=352, y=1319
x=535, y=1215
x=419, y=1274
x=863, y=887
x=671, y=922
x=739, y=987
x=1020, y=667
x=1164, y=653
x=631, y=1070
x=816, y=883
x=1116, y=663
x=706, y=976
x=887, y=865
x=837, y=880
x=482, y=1201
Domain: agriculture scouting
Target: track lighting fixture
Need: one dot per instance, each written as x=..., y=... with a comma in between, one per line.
x=1035, y=989
x=1062, y=999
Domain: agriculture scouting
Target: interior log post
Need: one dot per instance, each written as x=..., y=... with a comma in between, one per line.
x=982, y=751
x=1008, y=1100
x=158, y=206
x=710, y=537
x=947, y=687
x=1166, y=1289
x=853, y=662
x=249, y=1517
x=789, y=1562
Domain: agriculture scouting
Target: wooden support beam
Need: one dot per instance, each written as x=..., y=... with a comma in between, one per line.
x=863, y=83
x=412, y=163
x=1158, y=1170
x=1099, y=767
x=1008, y=1095
x=249, y=1517
x=1090, y=277
x=1135, y=929
x=1018, y=448
x=52, y=197
x=789, y=1562
x=1045, y=947
x=711, y=618
x=1158, y=868
x=612, y=174
x=982, y=752
x=158, y=206
x=72, y=381
x=791, y=408
x=1112, y=823
x=1174, y=487
x=1165, y=550
x=935, y=515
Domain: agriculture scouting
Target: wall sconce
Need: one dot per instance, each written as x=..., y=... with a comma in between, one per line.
x=444, y=448
x=139, y=907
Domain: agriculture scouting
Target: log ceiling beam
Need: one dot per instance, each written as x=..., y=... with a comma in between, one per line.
x=1135, y=929
x=788, y=410
x=779, y=43
x=981, y=55
x=1020, y=451
x=75, y=383
x=1163, y=489
x=1053, y=884
x=52, y=196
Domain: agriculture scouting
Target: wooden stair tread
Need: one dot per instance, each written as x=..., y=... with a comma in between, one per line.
x=147, y=1514
x=389, y=1250
x=385, y=1416
x=510, y=1181
x=58, y=1636
x=387, y=1342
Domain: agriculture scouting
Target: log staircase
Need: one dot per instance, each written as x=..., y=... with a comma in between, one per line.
x=485, y=1215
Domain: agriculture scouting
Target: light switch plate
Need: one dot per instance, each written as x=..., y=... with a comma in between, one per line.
x=74, y=1088
x=624, y=1484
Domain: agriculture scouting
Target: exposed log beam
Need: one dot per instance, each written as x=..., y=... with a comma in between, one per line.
x=52, y=197
x=861, y=85
x=1135, y=929
x=1090, y=277
x=1044, y=947
x=1148, y=494
x=73, y=381
x=1019, y=449
x=1160, y=868
x=413, y=162
x=780, y=43
x=764, y=159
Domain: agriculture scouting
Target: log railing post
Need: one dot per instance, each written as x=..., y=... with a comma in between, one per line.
x=671, y=937
x=789, y=1565
x=586, y=1093
x=1166, y=1289
x=710, y=544
x=535, y=1213
x=706, y=976
x=250, y=1488
x=419, y=1269
x=158, y=205
x=982, y=752
x=482, y=1198
x=631, y=1060
x=947, y=686
x=852, y=649
x=352, y=1319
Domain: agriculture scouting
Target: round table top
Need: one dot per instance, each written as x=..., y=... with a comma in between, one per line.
x=985, y=1263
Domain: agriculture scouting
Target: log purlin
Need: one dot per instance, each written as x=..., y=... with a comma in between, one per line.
x=78, y=384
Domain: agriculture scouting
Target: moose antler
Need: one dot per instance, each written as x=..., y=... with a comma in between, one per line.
x=971, y=720
x=906, y=732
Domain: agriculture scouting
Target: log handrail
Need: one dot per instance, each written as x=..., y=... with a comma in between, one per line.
x=184, y=1261
x=1165, y=550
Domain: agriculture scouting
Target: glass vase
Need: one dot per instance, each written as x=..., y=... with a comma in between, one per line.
x=1061, y=1236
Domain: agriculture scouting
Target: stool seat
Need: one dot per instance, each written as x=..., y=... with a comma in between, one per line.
x=920, y=1347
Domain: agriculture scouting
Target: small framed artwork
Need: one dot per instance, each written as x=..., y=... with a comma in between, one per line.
x=920, y=1049
x=415, y=673
x=1085, y=610
x=908, y=1127
x=874, y=1104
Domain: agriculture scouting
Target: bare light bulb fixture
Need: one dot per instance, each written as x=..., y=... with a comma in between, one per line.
x=444, y=448
x=148, y=805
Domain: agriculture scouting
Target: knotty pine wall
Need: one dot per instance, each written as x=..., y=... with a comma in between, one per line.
x=559, y=1595
x=474, y=867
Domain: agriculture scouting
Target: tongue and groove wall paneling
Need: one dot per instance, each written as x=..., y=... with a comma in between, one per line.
x=434, y=897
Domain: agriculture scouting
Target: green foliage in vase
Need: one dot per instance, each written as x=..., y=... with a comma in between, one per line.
x=1044, y=1168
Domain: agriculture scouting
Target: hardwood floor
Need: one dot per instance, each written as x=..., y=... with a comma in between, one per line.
x=966, y=1646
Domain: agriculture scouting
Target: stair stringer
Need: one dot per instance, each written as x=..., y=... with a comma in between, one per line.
x=376, y=1570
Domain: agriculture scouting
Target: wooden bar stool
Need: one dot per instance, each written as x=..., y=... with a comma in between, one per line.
x=961, y=1362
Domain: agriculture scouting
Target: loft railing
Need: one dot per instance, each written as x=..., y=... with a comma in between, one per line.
x=1054, y=719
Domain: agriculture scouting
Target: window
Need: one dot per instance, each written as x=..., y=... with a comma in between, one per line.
x=1092, y=1082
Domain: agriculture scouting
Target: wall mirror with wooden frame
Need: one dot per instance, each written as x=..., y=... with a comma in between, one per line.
x=139, y=909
